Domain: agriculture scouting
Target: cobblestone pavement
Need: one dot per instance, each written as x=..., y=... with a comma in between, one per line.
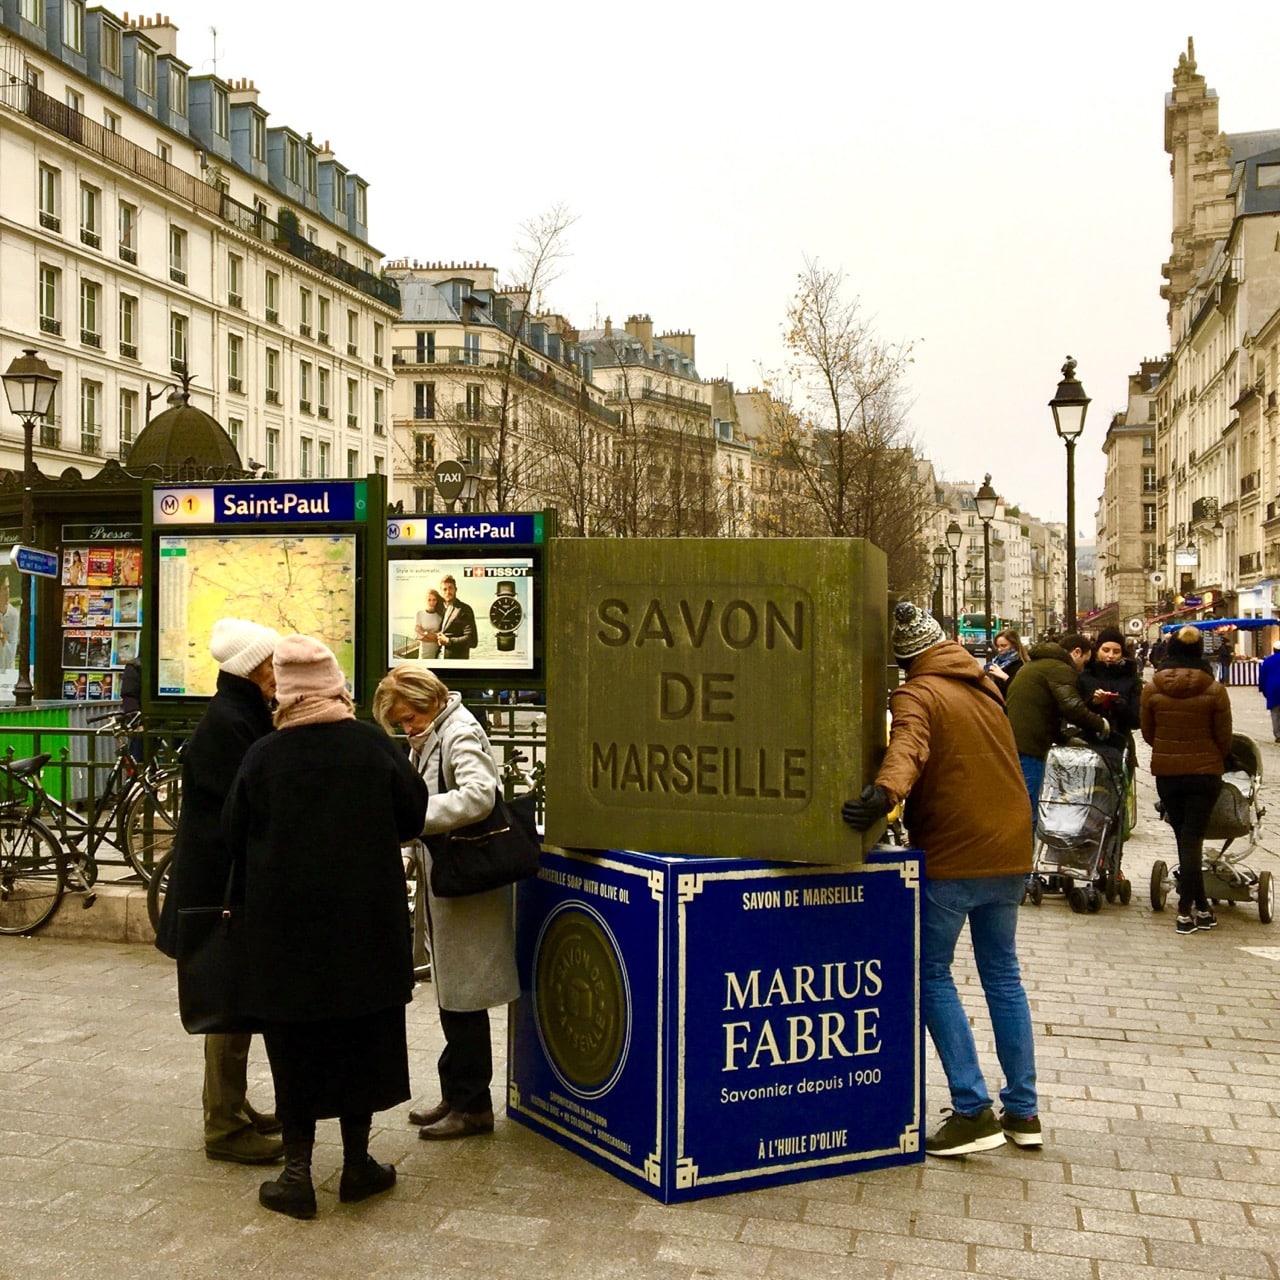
x=1159, y=1071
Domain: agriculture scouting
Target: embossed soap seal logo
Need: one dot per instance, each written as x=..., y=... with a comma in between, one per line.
x=582, y=999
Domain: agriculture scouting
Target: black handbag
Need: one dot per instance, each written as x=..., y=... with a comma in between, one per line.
x=496, y=851
x=211, y=968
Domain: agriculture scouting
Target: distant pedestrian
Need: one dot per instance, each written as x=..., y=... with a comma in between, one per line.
x=1186, y=720
x=1226, y=652
x=1010, y=658
x=1269, y=686
x=952, y=758
x=1044, y=695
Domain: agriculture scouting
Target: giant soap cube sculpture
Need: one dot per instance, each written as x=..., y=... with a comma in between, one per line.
x=717, y=697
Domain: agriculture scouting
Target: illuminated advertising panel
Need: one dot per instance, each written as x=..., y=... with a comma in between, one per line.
x=464, y=613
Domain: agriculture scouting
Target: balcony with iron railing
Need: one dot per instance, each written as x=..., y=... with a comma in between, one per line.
x=1204, y=509
x=56, y=116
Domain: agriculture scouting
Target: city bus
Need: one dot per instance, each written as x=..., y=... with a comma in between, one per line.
x=973, y=631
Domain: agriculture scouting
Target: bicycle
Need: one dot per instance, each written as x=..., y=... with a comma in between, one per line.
x=136, y=811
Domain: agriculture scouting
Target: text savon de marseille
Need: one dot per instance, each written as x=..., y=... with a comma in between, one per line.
x=770, y=770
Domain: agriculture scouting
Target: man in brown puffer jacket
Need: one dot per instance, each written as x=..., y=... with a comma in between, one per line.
x=951, y=757
x=1186, y=721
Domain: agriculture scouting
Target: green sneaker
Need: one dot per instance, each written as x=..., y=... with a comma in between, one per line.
x=1022, y=1131
x=961, y=1135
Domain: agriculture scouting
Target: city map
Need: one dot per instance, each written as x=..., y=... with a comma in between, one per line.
x=300, y=583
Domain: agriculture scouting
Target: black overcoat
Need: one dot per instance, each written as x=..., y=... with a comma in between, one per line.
x=318, y=814
x=236, y=717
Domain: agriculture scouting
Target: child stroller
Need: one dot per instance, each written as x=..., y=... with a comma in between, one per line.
x=1080, y=828
x=1236, y=815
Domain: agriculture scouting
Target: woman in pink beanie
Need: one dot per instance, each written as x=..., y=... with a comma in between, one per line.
x=316, y=817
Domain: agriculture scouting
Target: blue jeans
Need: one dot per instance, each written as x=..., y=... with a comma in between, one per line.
x=991, y=907
x=1033, y=776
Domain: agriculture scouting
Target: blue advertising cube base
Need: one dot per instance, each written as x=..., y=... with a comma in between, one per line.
x=698, y=1026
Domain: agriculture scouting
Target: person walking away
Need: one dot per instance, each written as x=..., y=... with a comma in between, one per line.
x=1044, y=694
x=1010, y=658
x=473, y=948
x=1186, y=720
x=236, y=717
x=952, y=758
x=316, y=819
x=1269, y=686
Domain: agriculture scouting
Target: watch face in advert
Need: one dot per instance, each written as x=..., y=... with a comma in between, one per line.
x=462, y=613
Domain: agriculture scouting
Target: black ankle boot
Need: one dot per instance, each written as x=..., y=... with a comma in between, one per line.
x=361, y=1181
x=362, y=1175
x=292, y=1192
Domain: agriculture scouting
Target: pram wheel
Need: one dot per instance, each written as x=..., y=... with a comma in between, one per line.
x=1094, y=901
x=1266, y=897
x=1078, y=899
x=1159, y=886
x=1124, y=891
x=1108, y=886
x=1035, y=891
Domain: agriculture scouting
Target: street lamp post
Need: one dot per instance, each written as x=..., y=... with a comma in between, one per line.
x=955, y=536
x=1069, y=405
x=940, y=557
x=986, y=500
x=29, y=385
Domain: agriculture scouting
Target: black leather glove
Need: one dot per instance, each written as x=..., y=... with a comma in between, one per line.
x=863, y=812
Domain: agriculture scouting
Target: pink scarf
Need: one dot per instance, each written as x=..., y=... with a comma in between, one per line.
x=314, y=709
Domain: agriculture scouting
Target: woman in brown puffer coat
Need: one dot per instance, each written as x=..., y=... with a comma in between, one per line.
x=1186, y=720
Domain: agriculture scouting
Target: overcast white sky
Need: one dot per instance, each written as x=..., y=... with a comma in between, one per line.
x=991, y=178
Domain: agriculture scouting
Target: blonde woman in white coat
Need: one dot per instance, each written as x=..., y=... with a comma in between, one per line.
x=473, y=947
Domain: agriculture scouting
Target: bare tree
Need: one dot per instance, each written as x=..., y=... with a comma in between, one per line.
x=842, y=430
x=540, y=253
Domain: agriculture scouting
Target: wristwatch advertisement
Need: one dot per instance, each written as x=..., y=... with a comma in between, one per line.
x=506, y=615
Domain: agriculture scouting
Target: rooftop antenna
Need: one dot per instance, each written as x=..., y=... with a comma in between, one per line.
x=213, y=31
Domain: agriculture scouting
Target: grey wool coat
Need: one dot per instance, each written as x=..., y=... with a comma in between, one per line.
x=473, y=939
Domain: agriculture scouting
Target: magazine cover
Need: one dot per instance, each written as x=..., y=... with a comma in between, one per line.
x=75, y=648
x=75, y=571
x=101, y=566
x=102, y=607
x=74, y=685
x=128, y=567
x=99, y=646
x=99, y=685
x=128, y=610
x=75, y=608
x=126, y=647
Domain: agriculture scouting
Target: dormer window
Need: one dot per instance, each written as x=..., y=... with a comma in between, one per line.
x=73, y=24
x=109, y=48
x=313, y=185
x=221, y=113
x=145, y=71
x=292, y=160
x=177, y=91
x=257, y=137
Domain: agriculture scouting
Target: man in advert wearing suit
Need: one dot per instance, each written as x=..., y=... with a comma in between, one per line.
x=458, y=630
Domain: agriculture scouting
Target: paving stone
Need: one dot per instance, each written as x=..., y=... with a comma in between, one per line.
x=1160, y=1099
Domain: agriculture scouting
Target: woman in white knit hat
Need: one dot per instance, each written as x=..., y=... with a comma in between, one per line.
x=238, y=715
x=317, y=815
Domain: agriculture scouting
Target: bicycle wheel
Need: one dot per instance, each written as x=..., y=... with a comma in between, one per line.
x=33, y=874
x=150, y=822
x=417, y=902
x=157, y=887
